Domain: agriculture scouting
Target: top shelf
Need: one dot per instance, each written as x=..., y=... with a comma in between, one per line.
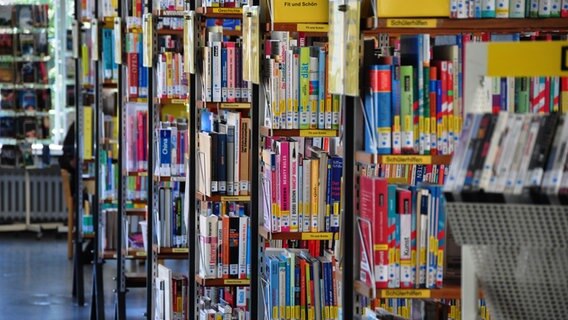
x=454, y=26
x=220, y=13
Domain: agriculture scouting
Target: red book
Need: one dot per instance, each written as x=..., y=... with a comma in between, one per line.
x=442, y=114
x=433, y=105
x=132, y=65
x=404, y=209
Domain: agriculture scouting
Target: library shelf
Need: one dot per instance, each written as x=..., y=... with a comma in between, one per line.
x=221, y=198
x=308, y=29
x=450, y=291
x=135, y=279
x=295, y=235
x=315, y=133
x=109, y=141
x=221, y=282
x=224, y=105
x=451, y=26
x=363, y=157
x=220, y=13
x=167, y=101
x=171, y=32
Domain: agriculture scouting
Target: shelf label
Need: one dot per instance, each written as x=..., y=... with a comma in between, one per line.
x=412, y=23
x=291, y=11
x=405, y=293
x=317, y=133
x=235, y=198
x=235, y=105
x=227, y=10
x=180, y=250
x=406, y=159
x=510, y=59
x=236, y=282
x=302, y=27
x=317, y=236
x=141, y=253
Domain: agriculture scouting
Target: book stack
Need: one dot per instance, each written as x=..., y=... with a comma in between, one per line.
x=296, y=85
x=170, y=78
x=172, y=297
x=224, y=240
x=464, y=9
x=513, y=155
x=172, y=149
x=137, y=75
x=137, y=188
x=223, y=159
x=222, y=71
x=402, y=233
x=171, y=226
x=136, y=137
x=223, y=303
x=301, y=186
x=300, y=286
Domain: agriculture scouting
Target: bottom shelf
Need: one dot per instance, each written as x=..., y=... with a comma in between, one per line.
x=449, y=291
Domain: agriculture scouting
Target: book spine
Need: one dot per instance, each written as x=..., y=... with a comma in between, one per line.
x=304, y=88
x=544, y=9
x=243, y=230
x=488, y=9
x=231, y=72
x=396, y=111
x=517, y=8
x=502, y=9
x=284, y=185
x=336, y=178
x=406, y=111
x=380, y=225
x=230, y=160
x=224, y=74
x=294, y=186
x=220, y=252
x=314, y=95
x=165, y=150
x=404, y=204
x=216, y=71
x=321, y=89
x=234, y=238
x=245, y=140
x=564, y=9
x=381, y=86
x=534, y=8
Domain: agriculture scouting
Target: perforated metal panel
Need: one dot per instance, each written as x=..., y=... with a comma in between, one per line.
x=12, y=195
x=521, y=255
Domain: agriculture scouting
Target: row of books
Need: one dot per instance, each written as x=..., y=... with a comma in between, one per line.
x=300, y=286
x=301, y=187
x=110, y=68
x=171, y=294
x=25, y=99
x=171, y=224
x=136, y=136
x=137, y=188
x=171, y=5
x=224, y=240
x=24, y=44
x=34, y=72
x=137, y=75
x=222, y=72
x=172, y=81
x=402, y=234
x=511, y=154
x=24, y=15
x=172, y=148
x=109, y=228
x=24, y=127
x=463, y=9
x=223, y=303
x=411, y=174
x=223, y=159
x=225, y=3
x=170, y=23
x=296, y=83
x=443, y=309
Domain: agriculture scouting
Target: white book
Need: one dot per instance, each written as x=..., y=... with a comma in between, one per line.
x=555, y=168
x=495, y=148
x=207, y=74
x=506, y=159
x=518, y=155
x=462, y=12
x=234, y=119
x=208, y=246
x=243, y=229
x=527, y=154
x=564, y=6
x=502, y=9
x=216, y=71
x=517, y=8
x=405, y=247
x=511, y=94
x=204, y=164
x=544, y=7
x=555, y=8
x=457, y=185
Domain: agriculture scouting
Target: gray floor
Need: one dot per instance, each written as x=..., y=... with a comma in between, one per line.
x=36, y=280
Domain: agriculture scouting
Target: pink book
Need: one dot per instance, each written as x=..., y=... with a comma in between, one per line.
x=231, y=71
x=284, y=154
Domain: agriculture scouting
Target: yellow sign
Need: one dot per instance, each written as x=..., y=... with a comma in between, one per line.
x=237, y=282
x=300, y=11
x=317, y=133
x=180, y=250
x=412, y=23
x=381, y=247
x=406, y=159
x=178, y=101
x=235, y=106
x=227, y=10
x=141, y=253
x=303, y=27
x=235, y=198
x=527, y=59
x=405, y=293
x=317, y=236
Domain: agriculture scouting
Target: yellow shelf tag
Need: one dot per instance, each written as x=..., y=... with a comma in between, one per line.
x=236, y=282
x=178, y=101
x=291, y=11
x=312, y=27
x=405, y=293
x=317, y=236
x=317, y=133
x=406, y=160
x=412, y=23
x=227, y=10
x=381, y=247
x=235, y=198
x=180, y=250
x=141, y=253
x=235, y=106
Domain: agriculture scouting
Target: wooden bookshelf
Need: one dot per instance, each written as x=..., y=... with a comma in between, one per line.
x=316, y=133
x=171, y=32
x=308, y=29
x=221, y=198
x=165, y=101
x=224, y=105
x=453, y=26
x=295, y=235
x=222, y=282
x=135, y=280
x=172, y=253
x=133, y=254
x=449, y=291
x=137, y=173
x=364, y=157
x=220, y=13
x=169, y=179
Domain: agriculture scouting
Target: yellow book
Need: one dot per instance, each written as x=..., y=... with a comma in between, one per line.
x=314, y=194
x=309, y=298
x=169, y=74
x=87, y=133
x=86, y=62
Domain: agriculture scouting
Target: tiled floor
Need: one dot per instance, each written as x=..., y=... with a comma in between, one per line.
x=36, y=280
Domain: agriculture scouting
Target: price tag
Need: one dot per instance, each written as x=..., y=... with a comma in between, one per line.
x=180, y=250
x=141, y=253
x=235, y=198
x=235, y=105
x=227, y=10
x=405, y=293
x=412, y=23
x=237, y=282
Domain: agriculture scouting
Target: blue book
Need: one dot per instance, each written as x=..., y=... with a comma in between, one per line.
x=142, y=72
x=370, y=119
x=381, y=89
x=224, y=67
x=165, y=152
x=108, y=54
x=504, y=99
x=336, y=176
x=206, y=120
x=412, y=54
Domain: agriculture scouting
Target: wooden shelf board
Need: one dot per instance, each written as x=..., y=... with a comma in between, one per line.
x=164, y=101
x=295, y=235
x=138, y=201
x=110, y=85
x=308, y=29
x=175, y=32
x=453, y=26
x=224, y=105
x=264, y=131
x=137, y=173
x=450, y=291
x=220, y=13
x=169, y=13
x=135, y=280
x=168, y=179
x=139, y=100
x=220, y=198
x=364, y=157
x=221, y=282
x=131, y=255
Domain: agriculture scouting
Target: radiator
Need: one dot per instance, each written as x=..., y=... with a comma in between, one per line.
x=46, y=200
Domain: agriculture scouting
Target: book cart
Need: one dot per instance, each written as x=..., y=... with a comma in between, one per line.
x=513, y=247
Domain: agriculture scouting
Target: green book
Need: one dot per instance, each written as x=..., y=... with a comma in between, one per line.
x=304, y=102
x=406, y=112
x=522, y=100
